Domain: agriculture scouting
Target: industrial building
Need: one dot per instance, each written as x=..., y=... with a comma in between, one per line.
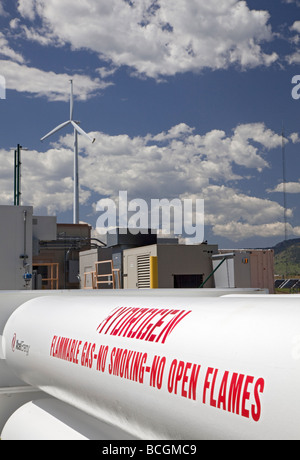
x=56, y=263
x=145, y=261
x=40, y=253
x=130, y=263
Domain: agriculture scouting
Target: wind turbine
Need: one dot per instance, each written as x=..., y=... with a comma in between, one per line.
x=77, y=130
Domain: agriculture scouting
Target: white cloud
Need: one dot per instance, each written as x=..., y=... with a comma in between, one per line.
x=293, y=58
x=290, y=187
x=246, y=154
x=296, y=26
x=225, y=204
x=22, y=78
x=27, y=8
x=2, y=9
x=7, y=51
x=172, y=164
x=297, y=2
x=295, y=138
x=158, y=38
x=237, y=231
x=47, y=182
x=237, y=216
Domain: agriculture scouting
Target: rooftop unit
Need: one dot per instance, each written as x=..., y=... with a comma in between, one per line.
x=103, y=267
x=166, y=266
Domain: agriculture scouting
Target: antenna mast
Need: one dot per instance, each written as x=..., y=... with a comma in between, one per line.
x=284, y=193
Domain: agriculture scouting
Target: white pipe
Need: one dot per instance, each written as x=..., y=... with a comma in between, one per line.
x=10, y=300
x=76, y=181
x=50, y=419
x=186, y=368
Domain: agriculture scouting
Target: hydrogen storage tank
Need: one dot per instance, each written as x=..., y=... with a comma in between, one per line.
x=158, y=367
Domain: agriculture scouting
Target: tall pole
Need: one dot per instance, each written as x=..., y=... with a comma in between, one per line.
x=284, y=194
x=76, y=181
x=17, y=175
x=71, y=101
x=76, y=172
x=15, y=179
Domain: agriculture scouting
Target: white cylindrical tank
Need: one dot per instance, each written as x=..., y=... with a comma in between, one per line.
x=166, y=368
x=52, y=420
x=10, y=300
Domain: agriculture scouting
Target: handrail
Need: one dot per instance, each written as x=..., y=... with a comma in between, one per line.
x=212, y=273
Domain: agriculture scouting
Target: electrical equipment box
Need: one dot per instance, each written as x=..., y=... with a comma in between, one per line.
x=168, y=266
x=244, y=268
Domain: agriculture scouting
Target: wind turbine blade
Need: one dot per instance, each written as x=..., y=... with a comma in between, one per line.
x=58, y=128
x=79, y=130
x=71, y=101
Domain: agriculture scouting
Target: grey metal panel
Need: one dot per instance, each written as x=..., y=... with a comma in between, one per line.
x=125, y=237
x=15, y=239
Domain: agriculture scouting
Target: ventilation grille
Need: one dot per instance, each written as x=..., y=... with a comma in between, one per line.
x=143, y=269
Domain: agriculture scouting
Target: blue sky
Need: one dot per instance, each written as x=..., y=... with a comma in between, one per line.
x=186, y=99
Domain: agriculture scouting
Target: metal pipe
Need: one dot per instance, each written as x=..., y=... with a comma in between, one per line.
x=212, y=273
x=76, y=180
x=15, y=178
x=25, y=237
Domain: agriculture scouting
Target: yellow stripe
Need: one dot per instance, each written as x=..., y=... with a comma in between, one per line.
x=153, y=273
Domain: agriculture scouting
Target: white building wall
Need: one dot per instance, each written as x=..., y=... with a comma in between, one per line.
x=15, y=241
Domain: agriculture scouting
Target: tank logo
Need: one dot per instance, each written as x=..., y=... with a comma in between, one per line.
x=19, y=345
x=13, y=342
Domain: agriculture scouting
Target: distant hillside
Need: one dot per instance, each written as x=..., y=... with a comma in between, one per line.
x=287, y=258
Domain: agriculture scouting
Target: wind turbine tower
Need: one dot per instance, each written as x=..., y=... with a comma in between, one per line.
x=77, y=130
